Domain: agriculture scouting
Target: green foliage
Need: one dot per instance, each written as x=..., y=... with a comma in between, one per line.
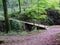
x=0, y=1
x=49, y=21
x=14, y=33
x=46, y=3
x=54, y=15
x=24, y=33
x=37, y=7
x=33, y=9
x=16, y=26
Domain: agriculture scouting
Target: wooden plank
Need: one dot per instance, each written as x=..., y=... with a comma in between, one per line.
x=35, y=24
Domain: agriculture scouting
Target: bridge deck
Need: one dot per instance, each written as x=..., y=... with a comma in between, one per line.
x=35, y=24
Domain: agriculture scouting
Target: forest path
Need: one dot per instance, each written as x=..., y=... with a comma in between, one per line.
x=44, y=38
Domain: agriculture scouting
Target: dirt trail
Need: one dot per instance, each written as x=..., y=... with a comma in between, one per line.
x=44, y=38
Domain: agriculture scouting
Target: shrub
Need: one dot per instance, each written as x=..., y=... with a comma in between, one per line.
x=16, y=26
x=49, y=21
x=54, y=15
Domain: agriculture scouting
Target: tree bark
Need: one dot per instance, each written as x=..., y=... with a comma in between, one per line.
x=19, y=6
x=6, y=15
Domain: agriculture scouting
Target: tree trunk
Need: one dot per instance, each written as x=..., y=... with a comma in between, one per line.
x=6, y=15
x=19, y=6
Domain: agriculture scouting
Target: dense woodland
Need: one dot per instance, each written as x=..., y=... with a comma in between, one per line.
x=46, y=12
x=29, y=22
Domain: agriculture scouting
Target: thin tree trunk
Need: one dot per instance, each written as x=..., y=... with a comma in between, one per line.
x=6, y=15
x=19, y=6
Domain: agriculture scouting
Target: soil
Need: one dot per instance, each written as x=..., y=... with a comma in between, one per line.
x=45, y=38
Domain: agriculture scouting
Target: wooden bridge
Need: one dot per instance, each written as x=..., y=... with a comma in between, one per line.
x=30, y=23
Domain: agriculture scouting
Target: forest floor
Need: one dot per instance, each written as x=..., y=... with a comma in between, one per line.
x=45, y=38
